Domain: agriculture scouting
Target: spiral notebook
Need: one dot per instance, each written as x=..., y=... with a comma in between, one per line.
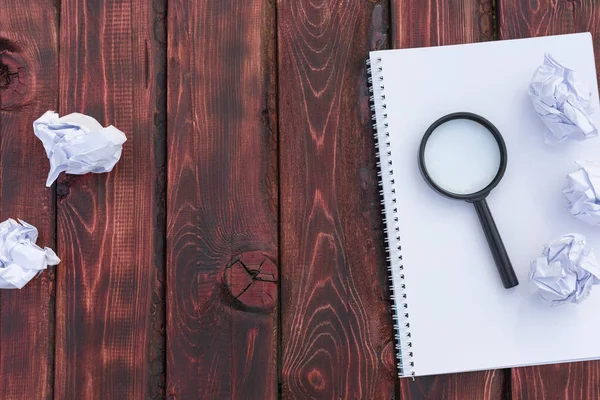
x=452, y=313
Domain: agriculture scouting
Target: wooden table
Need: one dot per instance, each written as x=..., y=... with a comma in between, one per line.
x=236, y=249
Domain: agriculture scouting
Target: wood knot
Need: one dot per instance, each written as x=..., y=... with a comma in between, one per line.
x=315, y=377
x=250, y=282
x=14, y=79
x=62, y=189
x=486, y=20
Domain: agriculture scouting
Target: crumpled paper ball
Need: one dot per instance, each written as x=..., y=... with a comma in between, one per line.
x=563, y=103
x=565, y=272
x=78, y=144
x=20, y=258
x=582, y=192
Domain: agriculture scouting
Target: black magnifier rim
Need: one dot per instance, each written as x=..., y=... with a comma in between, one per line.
x=482, y=194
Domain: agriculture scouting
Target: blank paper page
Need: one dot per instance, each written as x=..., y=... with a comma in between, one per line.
x=461, y=316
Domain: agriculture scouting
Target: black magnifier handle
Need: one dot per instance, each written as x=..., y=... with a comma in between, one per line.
x=505, y=269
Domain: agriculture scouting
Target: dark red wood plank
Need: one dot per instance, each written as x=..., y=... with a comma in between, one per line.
x=28, y=88
x=222, y=247
x=108, y=323
x=573, y=381
x=336, y=321
x=519, y=19
x=484, y=385
x=420, y=23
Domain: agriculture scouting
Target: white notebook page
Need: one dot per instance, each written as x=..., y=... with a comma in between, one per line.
x=461, y=317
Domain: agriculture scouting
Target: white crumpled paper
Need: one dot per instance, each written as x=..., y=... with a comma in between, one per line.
x=565, y=272
x=20, y=258
x=563, y=102
x=78, y=144
x=582, y=192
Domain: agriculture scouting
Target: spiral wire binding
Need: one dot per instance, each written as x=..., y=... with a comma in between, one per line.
x=387, y=192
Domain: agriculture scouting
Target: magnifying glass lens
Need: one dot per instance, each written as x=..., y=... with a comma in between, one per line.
x=462, y=156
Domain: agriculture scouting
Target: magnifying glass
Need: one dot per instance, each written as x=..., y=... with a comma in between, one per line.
x=463, y=156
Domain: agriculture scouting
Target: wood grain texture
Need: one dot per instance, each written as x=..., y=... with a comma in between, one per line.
x=421, y=23
x=28, y=88
x=484, y=385
x=572, y=381
x=222, y=247
x=109, y=331
x=336, y=321
x=433, y=23
x=519, y=19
